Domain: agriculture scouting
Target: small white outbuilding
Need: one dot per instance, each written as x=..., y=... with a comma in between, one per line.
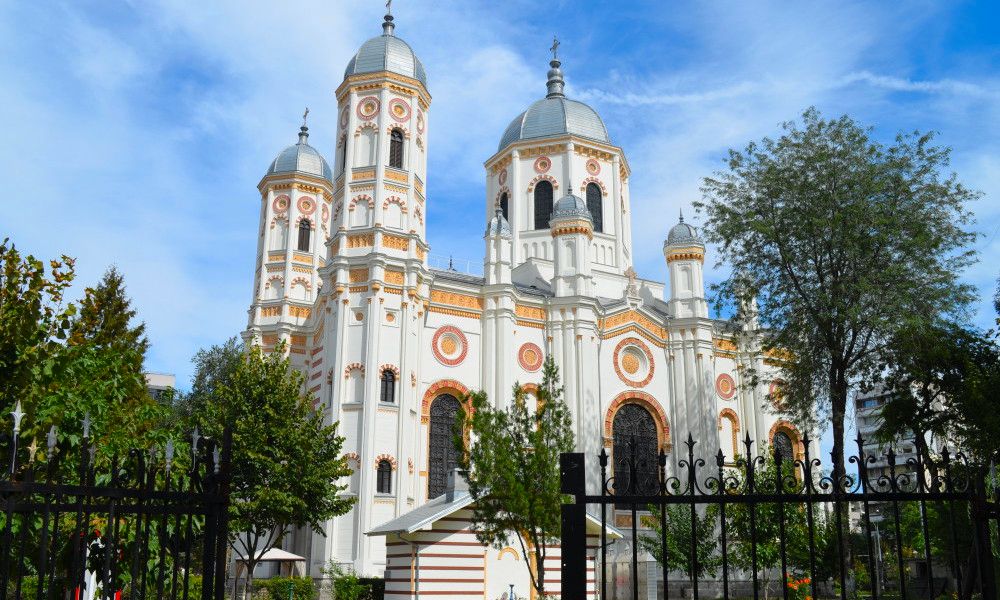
x=432, y=552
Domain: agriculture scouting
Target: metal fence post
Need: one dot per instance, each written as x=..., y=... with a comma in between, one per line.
x=981, y=537
x=573, y=541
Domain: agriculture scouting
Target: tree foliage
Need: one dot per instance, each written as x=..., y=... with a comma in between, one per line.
x=942, y=382
x=755, y=531
x=285, y=461
x=65, y=362
x=843, y=240
x=679, y=529
x=512, y=467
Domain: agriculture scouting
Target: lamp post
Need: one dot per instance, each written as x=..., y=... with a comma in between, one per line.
x=511, y=595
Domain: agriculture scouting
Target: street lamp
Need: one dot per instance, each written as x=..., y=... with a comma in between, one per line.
x=511, y=596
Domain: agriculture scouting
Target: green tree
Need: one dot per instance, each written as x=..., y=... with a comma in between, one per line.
x=678, y=539
x=34, y=324
x=757, y=529
x=942, y=381
x=511, y=465
x=842, y=240
x=285, y=461
x=213, y=368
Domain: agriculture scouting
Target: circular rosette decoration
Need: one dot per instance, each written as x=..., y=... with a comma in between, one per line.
x=634, y=362
x=420, y=121
x=503, y=177
x=776, y=392
x=529, y=356
x=343, y=117
x=399, y=110
x=543, y=164
x=307, y=205
x=593, y=167
x=280, y=204
x=449, y=345
x=725, y=386
x=368, y=108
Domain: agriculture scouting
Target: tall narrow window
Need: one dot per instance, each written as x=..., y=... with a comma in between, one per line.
x=634, y=451
x=543, y=204
x=383, y=481
x=305, y=230
x=388, y=387
x=396, y=149
x=442, y=457
x=343, y=155
x=783, y=446
x=594, y=205
x=503, y=206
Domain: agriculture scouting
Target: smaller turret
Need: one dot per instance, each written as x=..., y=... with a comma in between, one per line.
x=572, y=229
x=499, y=248
x=685, y=254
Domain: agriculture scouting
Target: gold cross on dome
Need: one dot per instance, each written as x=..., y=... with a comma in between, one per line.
x=555, y=48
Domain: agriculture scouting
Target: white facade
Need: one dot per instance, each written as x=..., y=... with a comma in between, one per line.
x=359, y=300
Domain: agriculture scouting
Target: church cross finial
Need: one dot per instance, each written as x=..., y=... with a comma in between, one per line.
x=555, y=48
x=305, y=116
x=388, y=7
x=682, y=215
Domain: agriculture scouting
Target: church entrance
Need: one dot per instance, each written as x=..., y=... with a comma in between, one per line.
x=442, y=455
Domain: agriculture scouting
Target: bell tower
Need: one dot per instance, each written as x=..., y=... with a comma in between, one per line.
x=295, y=196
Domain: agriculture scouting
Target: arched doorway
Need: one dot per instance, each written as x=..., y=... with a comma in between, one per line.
x=635, y=441
x=442, y=457
x=783, y=446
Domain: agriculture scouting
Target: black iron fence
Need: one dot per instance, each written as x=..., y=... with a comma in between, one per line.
x=744, y=527
x=78, y=523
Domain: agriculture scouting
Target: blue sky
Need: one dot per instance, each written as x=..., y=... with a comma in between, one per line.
x=135, y=132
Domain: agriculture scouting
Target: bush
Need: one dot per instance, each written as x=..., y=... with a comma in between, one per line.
x=375, y=585
x=345, y=585
x=278, y=587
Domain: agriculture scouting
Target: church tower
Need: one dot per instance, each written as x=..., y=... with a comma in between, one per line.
x=376, y=283
x=295, y=195
x=558, y=147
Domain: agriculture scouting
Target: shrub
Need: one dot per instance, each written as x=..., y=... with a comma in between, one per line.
x=375, y=585
x=301, y=588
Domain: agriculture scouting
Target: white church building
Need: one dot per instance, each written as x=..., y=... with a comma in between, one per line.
x=390, y=346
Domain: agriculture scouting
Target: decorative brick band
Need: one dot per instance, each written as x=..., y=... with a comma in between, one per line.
x=648, y=402
x=444, y=386
x=793, y=433
x=388, y=457
x=354, y=367
x=620, y=368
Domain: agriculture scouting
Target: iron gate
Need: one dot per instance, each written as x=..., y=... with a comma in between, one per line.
x=702, y=505
x=148, y=524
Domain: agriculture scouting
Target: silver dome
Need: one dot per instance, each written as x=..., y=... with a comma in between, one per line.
x=571, y=207
x=387, y=53
x=682, y=233
x=555, y=115
x=301, y=158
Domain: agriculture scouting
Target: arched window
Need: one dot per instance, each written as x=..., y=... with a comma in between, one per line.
x=442, y=455
x=342, y=162
x=543, y=204
x=305, y=230
x=388, y=394
x=594, y=205
x=383, y=482
x=783, y=446
x=635, y=444
x=503, y=206
x=396, y=149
